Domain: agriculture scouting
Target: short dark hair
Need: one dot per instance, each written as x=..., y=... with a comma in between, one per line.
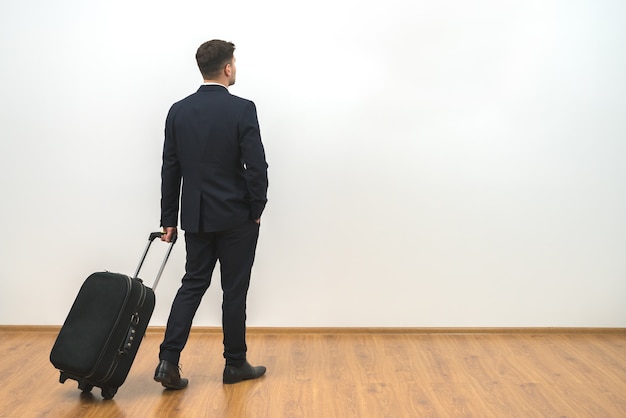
x=212, y=56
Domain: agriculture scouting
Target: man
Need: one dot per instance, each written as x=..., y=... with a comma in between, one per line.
x=213, y=144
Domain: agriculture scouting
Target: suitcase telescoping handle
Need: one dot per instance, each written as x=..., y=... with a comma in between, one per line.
x=152, y=237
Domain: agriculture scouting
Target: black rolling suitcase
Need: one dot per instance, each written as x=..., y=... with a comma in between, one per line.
x=102, y=332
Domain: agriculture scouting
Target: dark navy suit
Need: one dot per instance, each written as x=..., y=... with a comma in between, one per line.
x=213, y=149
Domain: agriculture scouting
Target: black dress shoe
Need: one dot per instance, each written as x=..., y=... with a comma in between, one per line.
x=234, y=374
x=168, y=375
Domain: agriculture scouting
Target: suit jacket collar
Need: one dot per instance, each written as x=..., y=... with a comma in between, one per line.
x=212, y=87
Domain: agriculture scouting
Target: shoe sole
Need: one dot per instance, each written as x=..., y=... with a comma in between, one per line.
x=166, y=383
x=232, y=381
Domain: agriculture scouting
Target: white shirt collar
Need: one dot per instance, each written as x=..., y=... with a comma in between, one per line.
x=214, y=84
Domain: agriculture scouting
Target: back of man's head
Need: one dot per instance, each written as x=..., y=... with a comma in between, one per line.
x=212, y=56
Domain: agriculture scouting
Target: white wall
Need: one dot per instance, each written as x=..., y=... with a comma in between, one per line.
x=432, y=164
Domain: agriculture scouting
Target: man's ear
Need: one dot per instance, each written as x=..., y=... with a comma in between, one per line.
x=228, y=70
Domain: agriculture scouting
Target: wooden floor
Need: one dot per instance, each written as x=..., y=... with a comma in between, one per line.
x=342, y=374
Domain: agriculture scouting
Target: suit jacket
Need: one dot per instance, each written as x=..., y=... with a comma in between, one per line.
x=213, y=145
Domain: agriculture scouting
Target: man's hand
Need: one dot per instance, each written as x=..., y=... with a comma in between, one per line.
x=258, y=221
x=168, y=233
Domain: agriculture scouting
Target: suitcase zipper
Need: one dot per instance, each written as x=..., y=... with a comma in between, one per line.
x=131, y=333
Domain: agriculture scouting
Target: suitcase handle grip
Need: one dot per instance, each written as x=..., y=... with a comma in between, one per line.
x=151, y=238
x=154, y=235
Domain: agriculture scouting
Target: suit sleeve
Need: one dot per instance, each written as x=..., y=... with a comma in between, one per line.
x=253, y=159
x=170, y=176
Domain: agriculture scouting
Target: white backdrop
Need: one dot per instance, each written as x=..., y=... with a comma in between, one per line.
x=432, y=164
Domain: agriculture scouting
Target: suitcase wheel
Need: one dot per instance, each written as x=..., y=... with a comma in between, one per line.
x=84, y=386
x=108, y=393
x=63, y=377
